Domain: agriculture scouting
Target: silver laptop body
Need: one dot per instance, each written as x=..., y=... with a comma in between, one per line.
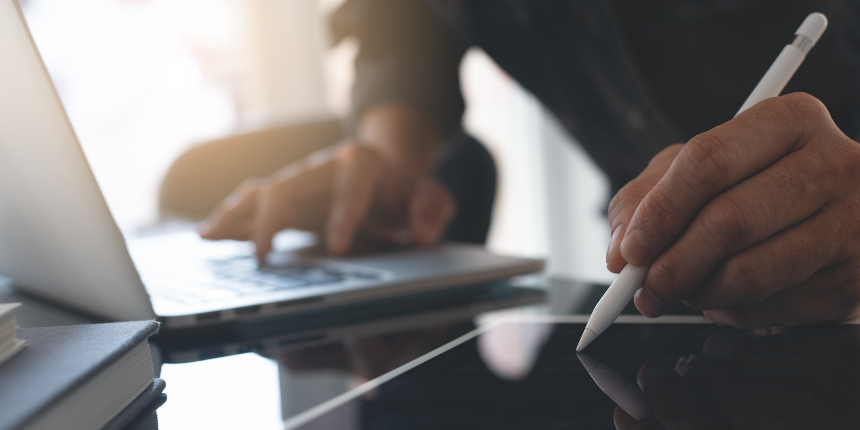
x=58, y=239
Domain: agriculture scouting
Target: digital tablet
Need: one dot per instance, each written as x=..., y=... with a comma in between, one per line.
x=672, y=372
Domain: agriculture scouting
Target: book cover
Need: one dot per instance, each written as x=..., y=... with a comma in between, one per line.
x=58, y=360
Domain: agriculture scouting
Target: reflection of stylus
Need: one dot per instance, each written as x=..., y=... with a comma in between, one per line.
x=622, y=392
x=771, y=84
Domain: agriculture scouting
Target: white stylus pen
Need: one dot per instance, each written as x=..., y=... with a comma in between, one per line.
x=770, y=85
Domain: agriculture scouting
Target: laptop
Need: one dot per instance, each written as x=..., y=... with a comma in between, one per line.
x=59, y=241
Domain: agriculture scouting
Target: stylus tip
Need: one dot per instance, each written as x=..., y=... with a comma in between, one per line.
x=587, y=337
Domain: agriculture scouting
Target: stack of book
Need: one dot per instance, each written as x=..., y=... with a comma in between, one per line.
x=9, y=344
x=96, y=376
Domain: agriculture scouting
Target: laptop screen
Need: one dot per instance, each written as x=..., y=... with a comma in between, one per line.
x=527, y=375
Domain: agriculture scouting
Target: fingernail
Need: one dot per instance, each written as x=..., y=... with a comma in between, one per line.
x=649, y=305
x=203, y=229
x=761, y=332
x=335, y=242
x=635, y=248
x=613, y=240
x=716, y=317
x=422, y=232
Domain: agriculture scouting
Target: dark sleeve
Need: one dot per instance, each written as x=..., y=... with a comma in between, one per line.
x=407, y=53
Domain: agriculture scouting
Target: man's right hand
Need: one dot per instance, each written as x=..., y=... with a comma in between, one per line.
x=380, y=187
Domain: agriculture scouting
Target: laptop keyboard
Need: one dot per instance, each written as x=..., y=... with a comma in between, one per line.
x=240, y=276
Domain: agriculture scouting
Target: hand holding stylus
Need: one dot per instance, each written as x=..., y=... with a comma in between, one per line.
x=755, y=221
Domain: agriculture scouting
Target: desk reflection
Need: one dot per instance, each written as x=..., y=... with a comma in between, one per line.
x=799, y=379
x=257, y=376
x=693, y=376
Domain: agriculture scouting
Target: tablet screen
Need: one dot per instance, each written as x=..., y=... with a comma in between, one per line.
x=527, y=375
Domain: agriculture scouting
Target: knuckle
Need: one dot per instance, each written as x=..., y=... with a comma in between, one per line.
x=658, y=218
x=625, y=202
x=351, y=152
x=746, y=280
x=795, y=114
x=666, y=278
x=730, y=223
x=635, y=192
x=708, y=158
x=360, y=159
x=667, y=154
x=805, y=104
x=846, y=165
x=249, y=185
x=358, y=153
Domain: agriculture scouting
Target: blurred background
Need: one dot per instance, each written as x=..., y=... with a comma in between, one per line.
x=144, y=80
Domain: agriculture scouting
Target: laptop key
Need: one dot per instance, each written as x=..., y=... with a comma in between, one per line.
x=285, y=282
x=316, y=275
x=211, y=294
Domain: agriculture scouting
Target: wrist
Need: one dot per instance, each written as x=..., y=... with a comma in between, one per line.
x=402, y=135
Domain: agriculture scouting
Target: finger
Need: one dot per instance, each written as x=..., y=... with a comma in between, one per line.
x=756, y=273
x=271, y=214
x=676, y=403
x=714, y=161
x=239, y=231
x=277, y=200
x=356, y=181
x=230, y=213
x=430, y=209
x=624, y=203
x=827, y=296
x=383, y=233
x=781, y=196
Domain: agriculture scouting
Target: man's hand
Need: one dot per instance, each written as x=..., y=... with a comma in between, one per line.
x=381, y=185
x=755, y=221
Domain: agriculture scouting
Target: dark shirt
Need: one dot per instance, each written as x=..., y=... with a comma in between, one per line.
x=626, y=77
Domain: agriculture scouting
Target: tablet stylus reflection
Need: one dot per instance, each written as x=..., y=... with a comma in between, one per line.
x=622, y=392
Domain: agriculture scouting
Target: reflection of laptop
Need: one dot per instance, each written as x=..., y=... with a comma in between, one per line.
x=381, y=317
x=58, y=239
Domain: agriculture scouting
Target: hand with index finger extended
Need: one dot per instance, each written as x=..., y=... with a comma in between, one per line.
x=336, y=192
x=232, y=218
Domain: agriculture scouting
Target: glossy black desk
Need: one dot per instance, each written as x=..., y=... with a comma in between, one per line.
x=258, y=375
x=257, y=378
